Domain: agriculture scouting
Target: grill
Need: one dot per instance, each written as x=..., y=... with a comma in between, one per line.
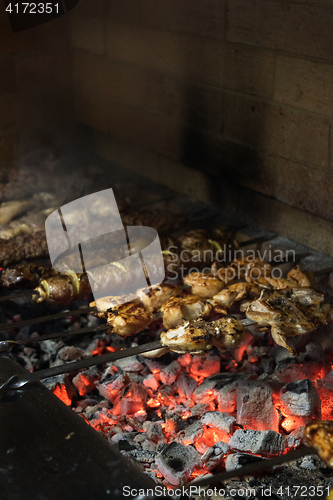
x=59, y=453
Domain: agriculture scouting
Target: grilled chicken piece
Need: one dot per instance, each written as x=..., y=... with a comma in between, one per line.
x=128, y=319
x=176, y=310
x=320, y=436
x=302, y=278
x=203, y=285
x=236, y=292
x=26, y=275
x=197, y=337
x=203, y=246
x=153, y=299
x=289, y=312
x=128, y=315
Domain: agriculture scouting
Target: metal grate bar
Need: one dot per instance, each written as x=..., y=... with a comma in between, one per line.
x=44, y=319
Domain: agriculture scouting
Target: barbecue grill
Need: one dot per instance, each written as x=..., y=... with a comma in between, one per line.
x=61, y=436
x=199, y=115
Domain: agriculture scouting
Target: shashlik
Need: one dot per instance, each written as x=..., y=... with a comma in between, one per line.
x=131, y=317
x=189, y=307
x=289, y=312
x=198, y=336
x=25, y=275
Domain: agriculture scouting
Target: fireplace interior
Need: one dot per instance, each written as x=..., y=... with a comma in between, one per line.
x=212, y=116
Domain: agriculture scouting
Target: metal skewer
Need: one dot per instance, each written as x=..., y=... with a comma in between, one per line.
x=44, y=319
x=18, y=382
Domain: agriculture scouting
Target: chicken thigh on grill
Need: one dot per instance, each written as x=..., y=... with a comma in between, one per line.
x=289, y=312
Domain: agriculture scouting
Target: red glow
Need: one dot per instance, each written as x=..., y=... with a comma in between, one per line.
x=61, y=392
x=111, y=349
x=210, y=436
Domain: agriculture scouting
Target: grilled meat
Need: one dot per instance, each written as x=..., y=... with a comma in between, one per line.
x=199, y=336
x=289, y=312
x=26, y=275
x=204, y=246
x=153, y=299
x=176, y=310
x=161, y=221
x=302, y=278
x=62, y=289
x=320, y=436
x=128, y=318
x=128, y=315
x=23, y=247
x=237, y=292
x=203, y=285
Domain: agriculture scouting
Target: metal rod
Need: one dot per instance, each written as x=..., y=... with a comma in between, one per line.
x=14, y=296
x=18, y=381
x=6, y=345
x=44, y=319
x=258, y=466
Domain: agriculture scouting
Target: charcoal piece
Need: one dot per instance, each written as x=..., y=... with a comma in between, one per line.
x=86, y=380
x=221, y=421
x=295, y=437
x=130, y=364
x=226, y=397
x=132, y=401
x=215, y=454
x=176, y=462
x=61, y=387
x=69, y=353
x=143, y=456
x=205, y=392
x=169, y=373
x=255, y=407
x=300, y=399
x=111, y=388
x=154, y=432
x=151, y=382
x=238, y=460
x=186, y=386
x=125, y=442
x=51, y=347
x=258, y=442
x=200, y=409
x=191, y=433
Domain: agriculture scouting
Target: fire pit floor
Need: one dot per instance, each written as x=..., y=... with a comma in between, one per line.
x=181, y=416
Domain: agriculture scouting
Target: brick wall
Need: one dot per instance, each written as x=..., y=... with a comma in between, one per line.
x=35, y=84
x=231, y=100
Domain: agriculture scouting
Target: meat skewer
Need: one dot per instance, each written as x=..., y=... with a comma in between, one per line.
x=17, y=382
x=289, y=312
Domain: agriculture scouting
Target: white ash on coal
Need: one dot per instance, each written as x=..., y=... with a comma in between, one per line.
x=176, y=463
x=265, y=443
